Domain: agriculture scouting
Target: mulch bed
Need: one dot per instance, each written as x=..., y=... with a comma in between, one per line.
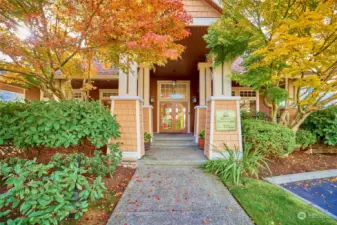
x=299, y=162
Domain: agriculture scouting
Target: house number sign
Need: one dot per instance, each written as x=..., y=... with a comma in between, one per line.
x=225, y=120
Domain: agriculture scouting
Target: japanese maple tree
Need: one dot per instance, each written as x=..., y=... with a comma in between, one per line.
x=42, y=39
x=282, y=41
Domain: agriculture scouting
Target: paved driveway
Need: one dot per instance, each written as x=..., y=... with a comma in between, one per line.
x=179, y=195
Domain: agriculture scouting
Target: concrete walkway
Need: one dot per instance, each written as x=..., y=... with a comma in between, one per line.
x=176, y=195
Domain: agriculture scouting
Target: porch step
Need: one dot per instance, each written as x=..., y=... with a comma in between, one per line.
x=173, y=137
x=174, y=143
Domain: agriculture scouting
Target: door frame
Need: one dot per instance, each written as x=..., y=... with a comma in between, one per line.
x=187, y=99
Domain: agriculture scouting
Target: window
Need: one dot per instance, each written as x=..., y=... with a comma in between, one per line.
x=77, y=94
x=104, y=96
x=249, y=99
x=174, y=91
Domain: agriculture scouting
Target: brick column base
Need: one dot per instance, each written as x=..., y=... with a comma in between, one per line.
x=199, y=121
x=215, y=139
x=129, y=115
x=148, y=118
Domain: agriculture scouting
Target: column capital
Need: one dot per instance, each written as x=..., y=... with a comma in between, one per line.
x=204, y=65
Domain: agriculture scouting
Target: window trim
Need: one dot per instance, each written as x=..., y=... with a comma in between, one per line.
x=237, y=90
x=102, y=91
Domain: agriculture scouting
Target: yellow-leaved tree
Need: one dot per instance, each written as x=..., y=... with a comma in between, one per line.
x=282, y=42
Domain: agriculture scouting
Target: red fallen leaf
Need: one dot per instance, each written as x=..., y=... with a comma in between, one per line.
x=177, y=201
x=205, y=221
x=157, y=198
x=138, y=180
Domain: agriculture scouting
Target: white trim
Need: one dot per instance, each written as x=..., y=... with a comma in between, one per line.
x=223, y=155
x=130, y=155
x=211, y=128
x=232, y=98
x=187, y=99
x=197, y=126
x=199, y=21
x=148, y=106
x=237, y=90
x=97, y=77
x=238, y=116
x=200, y=107
x=126, y=98
x=139, y=136
x=101, y=91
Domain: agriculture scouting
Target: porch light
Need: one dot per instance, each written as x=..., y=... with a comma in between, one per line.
x=152, y=99
x=174, y=83
x=194, y=99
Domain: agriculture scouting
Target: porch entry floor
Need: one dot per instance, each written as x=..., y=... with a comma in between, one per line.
x=174, y=148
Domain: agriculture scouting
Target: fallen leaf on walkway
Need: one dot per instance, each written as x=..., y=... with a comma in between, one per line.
x=205, y=221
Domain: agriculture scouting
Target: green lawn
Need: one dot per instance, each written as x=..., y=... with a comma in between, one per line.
x=268, y=204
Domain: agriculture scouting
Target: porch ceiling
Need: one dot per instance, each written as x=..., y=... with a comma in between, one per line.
x=195, y=52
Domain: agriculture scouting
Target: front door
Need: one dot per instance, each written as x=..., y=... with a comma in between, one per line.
x=173, y=117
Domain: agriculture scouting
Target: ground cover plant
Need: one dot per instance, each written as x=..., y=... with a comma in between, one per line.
x=305, y=138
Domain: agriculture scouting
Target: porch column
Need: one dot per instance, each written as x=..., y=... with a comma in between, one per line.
x=144, y=92
x=223, y=122
x=222, y=83
x=127, y=81
x=128, y=109
x=204, y=92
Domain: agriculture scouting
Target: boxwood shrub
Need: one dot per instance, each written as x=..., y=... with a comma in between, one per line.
x=268, y=137
x=56, y=124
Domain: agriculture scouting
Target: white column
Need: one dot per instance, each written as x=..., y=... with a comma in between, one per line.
x=122, y=79
x=222, y=82
x=208, y=83
x=141, y=82
x=146, y=86
x=203, y=67
x=133, y=76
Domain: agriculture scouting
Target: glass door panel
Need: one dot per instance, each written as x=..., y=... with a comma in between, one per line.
x=166, y=116
x=180, y=117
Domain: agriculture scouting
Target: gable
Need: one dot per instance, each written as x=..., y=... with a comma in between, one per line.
x=202, y=8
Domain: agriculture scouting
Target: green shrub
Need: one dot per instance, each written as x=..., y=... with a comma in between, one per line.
x=45, y=194
x=268, y=137
x=323, y=124
x=56, y=124
x=305, y=138
x=99, y=165
x=234, y=167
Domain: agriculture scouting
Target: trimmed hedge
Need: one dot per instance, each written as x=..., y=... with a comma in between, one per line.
x=268, y=137
x=55, y=124
x=323, y=124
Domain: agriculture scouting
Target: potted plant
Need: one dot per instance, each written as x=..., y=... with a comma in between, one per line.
x=201, y=140
x=147, y=140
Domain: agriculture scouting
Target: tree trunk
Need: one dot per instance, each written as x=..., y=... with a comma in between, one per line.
x=297, y=122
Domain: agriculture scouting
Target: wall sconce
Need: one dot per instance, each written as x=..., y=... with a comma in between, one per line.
x=194, y=99
x=152, y=99
x=174, y=82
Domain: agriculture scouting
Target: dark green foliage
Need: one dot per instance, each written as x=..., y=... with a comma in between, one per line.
x=252, y=115
x=99, y=165
x=234, y=167
x=305, y=138
x=47, y=193
x=268, y=137
x=276, y=94
x=147, y=137
x=56, y=124
x=324, y=125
